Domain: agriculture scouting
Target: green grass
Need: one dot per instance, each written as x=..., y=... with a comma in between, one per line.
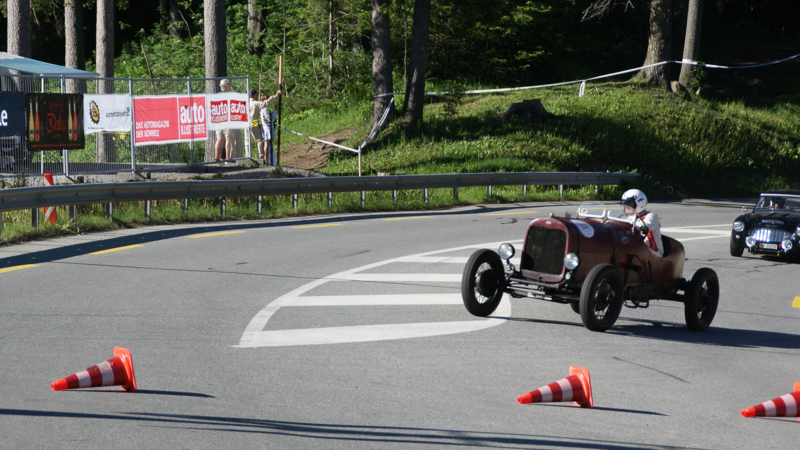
x=683, y=145
x=729, y=141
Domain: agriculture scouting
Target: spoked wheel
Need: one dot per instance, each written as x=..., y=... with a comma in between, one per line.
x=483, y=283
x=601, y=298
x=701, y=299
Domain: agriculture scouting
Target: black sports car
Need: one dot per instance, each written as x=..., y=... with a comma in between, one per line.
x=773, y=228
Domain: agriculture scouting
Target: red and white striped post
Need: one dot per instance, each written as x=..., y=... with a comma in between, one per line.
x=49, y=211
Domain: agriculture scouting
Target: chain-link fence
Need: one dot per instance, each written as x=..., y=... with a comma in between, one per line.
x=113, y=151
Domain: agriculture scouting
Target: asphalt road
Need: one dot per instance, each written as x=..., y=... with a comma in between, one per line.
x=348, y=332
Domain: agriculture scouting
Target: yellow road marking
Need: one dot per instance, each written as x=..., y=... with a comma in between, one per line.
x=796, y=302
x=318, y=226
x=24, y=266
x=214, y=234
x=508, y=213
x=115, y=249
x=409, y=218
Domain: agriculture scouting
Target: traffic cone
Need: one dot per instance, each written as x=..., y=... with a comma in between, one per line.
x=784, y=406
x=49, y=211
x=117, y=371
x=576, y=387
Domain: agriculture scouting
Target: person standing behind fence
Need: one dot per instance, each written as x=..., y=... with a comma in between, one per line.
x=224, y=137
x=255, y=119
x=268, y=118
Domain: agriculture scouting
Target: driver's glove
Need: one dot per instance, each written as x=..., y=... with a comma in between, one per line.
x=642, y=228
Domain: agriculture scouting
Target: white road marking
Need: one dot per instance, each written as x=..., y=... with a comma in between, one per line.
x=401, y=277
x=446, y=260
x=376, y=300
x=694, y=230
x=698, y=238
x=254, y=334
x=370, y=333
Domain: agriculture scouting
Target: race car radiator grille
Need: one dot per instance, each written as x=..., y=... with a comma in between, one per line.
x=769, y=235
x=546, y=248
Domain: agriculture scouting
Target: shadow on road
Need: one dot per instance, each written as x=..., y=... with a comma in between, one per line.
x=318, y=433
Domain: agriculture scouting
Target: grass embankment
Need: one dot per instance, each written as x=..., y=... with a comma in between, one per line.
x=683, y=145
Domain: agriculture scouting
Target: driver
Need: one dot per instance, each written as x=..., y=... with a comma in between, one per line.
x=645, y=222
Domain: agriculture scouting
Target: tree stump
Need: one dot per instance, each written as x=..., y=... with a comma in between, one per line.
x=529, y=109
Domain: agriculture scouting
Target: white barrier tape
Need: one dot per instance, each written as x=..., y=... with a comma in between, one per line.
x=714, y=66
x=374, y=132
x=684, y=61
x=379, y=125
x=320, y=140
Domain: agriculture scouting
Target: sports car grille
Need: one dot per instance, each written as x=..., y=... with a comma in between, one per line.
x=546, y=249
x=769, y=235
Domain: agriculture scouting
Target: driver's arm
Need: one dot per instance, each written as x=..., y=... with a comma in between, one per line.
x=640, y=225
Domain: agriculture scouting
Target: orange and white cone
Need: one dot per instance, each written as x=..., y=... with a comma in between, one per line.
x=784, y=406
x=117, y=371
x=577, y=387
x=50, y=211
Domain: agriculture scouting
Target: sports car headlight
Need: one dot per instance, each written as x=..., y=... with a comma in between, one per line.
x=738, y=226
x=750, y=241
x=571, y=261
x=797, y=231
x=786, y=245
x=506, y=251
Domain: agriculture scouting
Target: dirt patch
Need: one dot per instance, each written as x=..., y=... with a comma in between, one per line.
x=312, y=155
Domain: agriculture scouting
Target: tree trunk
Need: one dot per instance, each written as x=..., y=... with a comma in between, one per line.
x=175, y=18
x=330, y=45
x=163, y=17
x=216, y=42
x=417, y=65
x=659, y=45
x=18, y=33
x=74, y=48
x=381, y=60
x=255, y=21
x=691, y=46
x=105, y=67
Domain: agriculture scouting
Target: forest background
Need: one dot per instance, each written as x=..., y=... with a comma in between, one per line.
x=473, y=44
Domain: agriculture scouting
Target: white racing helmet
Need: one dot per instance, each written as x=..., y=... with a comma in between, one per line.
x=635, y=199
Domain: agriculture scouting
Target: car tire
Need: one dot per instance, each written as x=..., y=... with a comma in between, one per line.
x=576, y=306
x=701, y=299
x=735, y=249
x=601, y=298
x=483, y=283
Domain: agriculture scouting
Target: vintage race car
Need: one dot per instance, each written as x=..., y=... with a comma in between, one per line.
x=595, y=263
x=773, y=228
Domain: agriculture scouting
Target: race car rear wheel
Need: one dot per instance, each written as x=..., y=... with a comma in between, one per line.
x=701, y=299
x=483, y=283
x=601, y=298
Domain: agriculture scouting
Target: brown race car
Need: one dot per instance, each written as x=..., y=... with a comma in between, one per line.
x=595, y=263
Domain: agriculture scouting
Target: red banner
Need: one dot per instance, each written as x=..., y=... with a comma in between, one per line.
x=226, y=111
x=169, y=119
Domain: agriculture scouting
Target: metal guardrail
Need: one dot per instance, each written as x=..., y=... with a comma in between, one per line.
x=77, y=194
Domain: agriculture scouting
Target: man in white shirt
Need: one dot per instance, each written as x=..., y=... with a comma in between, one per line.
x=255, y=119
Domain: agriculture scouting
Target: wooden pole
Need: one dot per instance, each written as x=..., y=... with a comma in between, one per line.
x=280, y=105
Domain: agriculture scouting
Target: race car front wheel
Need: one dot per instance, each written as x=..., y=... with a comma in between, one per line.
x=483, y=283
x=601, y=298
x=735, y=249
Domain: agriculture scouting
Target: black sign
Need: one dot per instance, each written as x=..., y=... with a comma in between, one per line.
x=12, y=114
x=55, y=121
